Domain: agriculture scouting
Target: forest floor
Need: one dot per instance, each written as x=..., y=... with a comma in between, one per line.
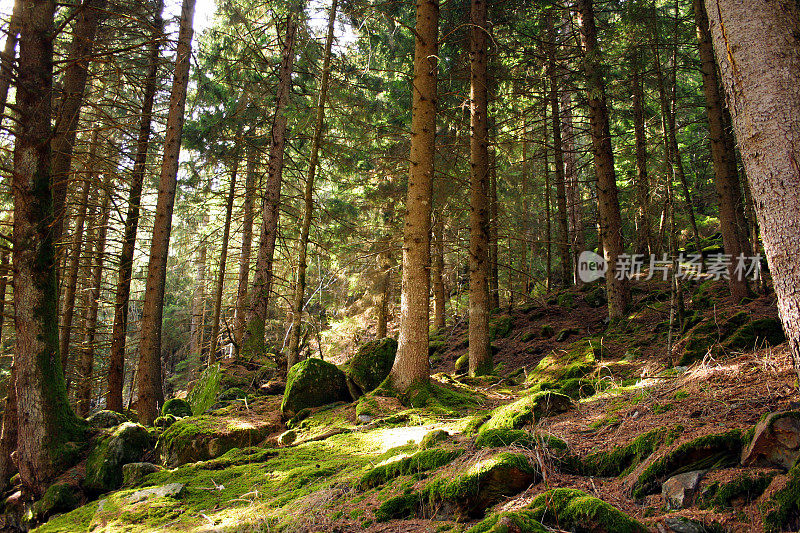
x=342, y=472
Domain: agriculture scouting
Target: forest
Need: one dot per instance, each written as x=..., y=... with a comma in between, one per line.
x=431, y=266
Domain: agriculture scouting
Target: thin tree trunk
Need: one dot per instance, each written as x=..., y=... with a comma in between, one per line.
x=253, y=337
x=384, y=283
x=480, y=355
x=119, y=331
x=437, y=273
x=308, y=196
x=87, y=21
x=494, y=275
x=197, y=324
x=547, y=203
x=525, y=269
x=610, y=219
x=643, y=232
x=8, y=433
x=151, y=394
x=223, y=256
x=411, y=365
x=84, y=392
x=4, y=273
x=758, y=56
x=9, y=55
x=46, y=421
x=247, y=241
x=726, y=174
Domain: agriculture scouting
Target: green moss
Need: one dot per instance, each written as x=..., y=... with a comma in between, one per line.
x=576, y=510
x=125, y=444
x=547, y=331
x=312, y=383
x=496, y=438
x=500, y=327
x=681, y=395
x=663, y=408
x=204, y=393
x=744, y=489
x=577, y=388
x=421, y=461
x=399, y=507
x=436, y=346
x=566, y=333
x=622, y=459
x=524, y=411
x=578, y=361
x=707, y=452
x=507, y=522
x=78, y=520
x=750, y=336
x=58, y=498
x=462, y=365
x=433, y=438
x=528, y=336
x=232, y=394
x=372, y=363
x=176, y=407
x=566, y=299
x=783, y=507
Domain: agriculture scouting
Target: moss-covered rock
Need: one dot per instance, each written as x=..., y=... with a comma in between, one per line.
x=741, y=490
x=596, y=297
x=781, y=511
x=500, y=327
x=134, y=473
x=432, y=438
x=577, y=511
x=205, y=391
x=565, y=334
x=176, y=407
x=703, y=453
x=106, y=419
x=462, y=365
x=756, y=333
x=775, y=441
x=372, y=363
x=421, y=461
x=524, y=411
x=312, y=383
x=58, y=498
x=623, y=459
x=497, y=438
x=232, y=394
x=126, y=444
x=547, y=331
x=509, y=522
x=528, y=336
x=164, y=421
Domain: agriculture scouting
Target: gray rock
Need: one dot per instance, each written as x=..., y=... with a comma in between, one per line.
x=106, y=419
x=679, y=491
x=679, y=524
x=134, y=473
x=171, y=490
x=364, y=419
x=776, y=441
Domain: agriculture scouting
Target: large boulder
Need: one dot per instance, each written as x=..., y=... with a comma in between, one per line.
x=58, y=498
x=106, y=419
x=372, y=363
x=126, y=444
x=177, y=407
x=775, y=442
x=312, y=383
x=134, y=473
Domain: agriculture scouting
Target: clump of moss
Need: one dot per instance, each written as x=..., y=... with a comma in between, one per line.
x=58, y=498
x=566, y=300
x=749, y=336
x=496, y=438
x=507, y=522
x=782, y=509
x=500, y=327
x=524, y=411
x=204, y=393
x=462, y=365
x=421, y=461
x=707, y=452
x=312, y=383
x=176, y=407
x=743, y=489
x=576, y=510
x=399, y=506
x=547, y=331
x=528, y=336
x=566, y=333
x=622, y=459
x=433, y=438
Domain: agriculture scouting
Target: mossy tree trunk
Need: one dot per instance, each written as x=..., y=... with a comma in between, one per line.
x=119, y=331
x=45, y=422
x=758, y=54
x=411, y=363
x=609, y=214
x=151, y=394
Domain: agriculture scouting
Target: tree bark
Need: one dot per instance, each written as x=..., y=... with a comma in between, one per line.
x=247, y=241
x=411, y=365
x=84, y=392
x=726, y=174
x=119, y=331
x=88, y=19
x=198, y=320
x=480, y=355
x=525, y=268
x=308, y=196
x=45, y=422
x=437, y=273
x=9, y=55
x=8, y=433
x=547, y=204
x=643, y=243
x=758, y=53
x=151, y=394
x=253, y=337
x=494, y=273
x=609, y=214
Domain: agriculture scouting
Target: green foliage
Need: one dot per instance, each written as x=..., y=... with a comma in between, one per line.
x=204, y=393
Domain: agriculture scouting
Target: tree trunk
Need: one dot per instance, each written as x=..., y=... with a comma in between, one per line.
x=119, y=331
x=610, y=220
x=247, y=241
x=223, y=256
x=526, y=229
x=9, y=55
x=547, y=204
x=253, y=337
x=84, y=392
x=4, y=273
x=151, y=394
x=411, y=364
x=308, y=196
x=198, y=320
x=757, y=50
x=437, y=273
x=643, y=232
x=45, y=421
x=8, y=433
x=494, y=275
x=88, y=19
x=480, y=355
x=384, y=284
x=726, y=174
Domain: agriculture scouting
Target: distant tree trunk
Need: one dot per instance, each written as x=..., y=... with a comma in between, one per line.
x=84, y=392
x=524, y=267
x=480, y=355
x=9, y=54
x=151, y=394
x=437, y=273
x=384, y=283
x=411, y=363
x=8, y=433
x=88, y=19
x=558, y=153
x=726, y=174
x=642, y=222
x=119, y=331
x=247, y=241
x=610, y=220
x=197, y=325
x=577, y=239
x=45, y=421
x=253, y=337
x=547, y=203
x=759, y=57
x=4, y=273
x=308, y=209
x=494, y=274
